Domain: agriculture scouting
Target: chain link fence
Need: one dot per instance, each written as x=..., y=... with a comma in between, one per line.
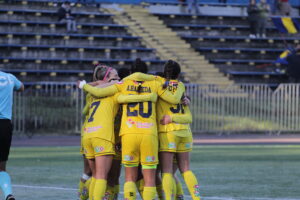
x=55, y=108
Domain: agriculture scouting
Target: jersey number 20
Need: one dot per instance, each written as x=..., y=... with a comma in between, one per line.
x=131, y=112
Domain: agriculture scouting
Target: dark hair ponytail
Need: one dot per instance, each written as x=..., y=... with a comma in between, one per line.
x=171, y=71
x=139, y=66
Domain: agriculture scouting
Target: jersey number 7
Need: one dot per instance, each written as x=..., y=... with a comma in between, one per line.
x=94, y=105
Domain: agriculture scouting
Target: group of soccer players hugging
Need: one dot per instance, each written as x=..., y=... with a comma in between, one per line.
x=142, y=121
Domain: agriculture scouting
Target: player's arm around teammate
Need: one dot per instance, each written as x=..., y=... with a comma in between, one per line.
x=98, y=139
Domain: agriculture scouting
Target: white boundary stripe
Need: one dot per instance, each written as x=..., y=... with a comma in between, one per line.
x=44, y=187
x=212, y=198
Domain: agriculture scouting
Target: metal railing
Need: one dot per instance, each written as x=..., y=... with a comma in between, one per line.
x=55, y=108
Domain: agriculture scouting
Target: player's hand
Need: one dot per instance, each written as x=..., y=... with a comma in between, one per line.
x=166, y=120
x=186, y=101
x=80, y=84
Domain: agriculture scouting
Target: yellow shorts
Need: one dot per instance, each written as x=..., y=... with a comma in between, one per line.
x=139, y=149
x=94, y=147
x=168, y=142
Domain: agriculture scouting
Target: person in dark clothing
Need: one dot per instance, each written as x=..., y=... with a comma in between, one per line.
x=264, y=10
x=253, y=17
x=293, y=67
x=65, y=16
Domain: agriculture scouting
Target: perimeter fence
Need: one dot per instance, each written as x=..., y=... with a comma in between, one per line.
x=55, y=108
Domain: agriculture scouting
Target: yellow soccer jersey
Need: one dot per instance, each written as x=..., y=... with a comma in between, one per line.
x=181, y=115
x=85, y=110
x=100, y=122
x=138, y=117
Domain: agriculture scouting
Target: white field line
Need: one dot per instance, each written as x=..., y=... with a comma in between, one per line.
x=211, y=198
x=44, y=187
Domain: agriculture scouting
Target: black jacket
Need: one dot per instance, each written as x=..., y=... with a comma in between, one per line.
x=62, y=12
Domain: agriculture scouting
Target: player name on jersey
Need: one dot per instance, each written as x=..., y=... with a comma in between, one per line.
x=135, y=89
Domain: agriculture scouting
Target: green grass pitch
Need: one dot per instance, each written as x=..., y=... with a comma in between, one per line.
x=224, y=172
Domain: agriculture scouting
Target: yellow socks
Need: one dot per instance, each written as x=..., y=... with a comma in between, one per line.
x=91, y=188
x=109, y=193
x=129, y=191
x=167, y=183
x=116, y=192
x=179, y=191
x=80, y=189
x=99, y=189
x=149, y=193
x=159, y=191
x=140, y=186
x=192, y=184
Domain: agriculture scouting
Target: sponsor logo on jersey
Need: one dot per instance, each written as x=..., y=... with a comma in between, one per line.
x=99, y=149
x=172, y=145
x=92, y=129
x=131, y=122
x=128, y=158
x=150, y=158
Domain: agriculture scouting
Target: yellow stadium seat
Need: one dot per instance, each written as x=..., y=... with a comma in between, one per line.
x=23, y=73
x=38, y=61
x=53, y=74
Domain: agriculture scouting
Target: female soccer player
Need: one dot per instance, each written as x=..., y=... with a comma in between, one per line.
x=139, y=130
x=98, y=138
x=174, y=134
x=85, y=179
x=175, y=137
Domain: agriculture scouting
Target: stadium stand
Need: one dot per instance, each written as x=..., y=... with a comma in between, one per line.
x=224, y=41
x=36, y=46
x=211, y=48
x=169, y=45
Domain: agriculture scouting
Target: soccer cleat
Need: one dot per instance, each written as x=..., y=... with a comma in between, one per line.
x=10, y=197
